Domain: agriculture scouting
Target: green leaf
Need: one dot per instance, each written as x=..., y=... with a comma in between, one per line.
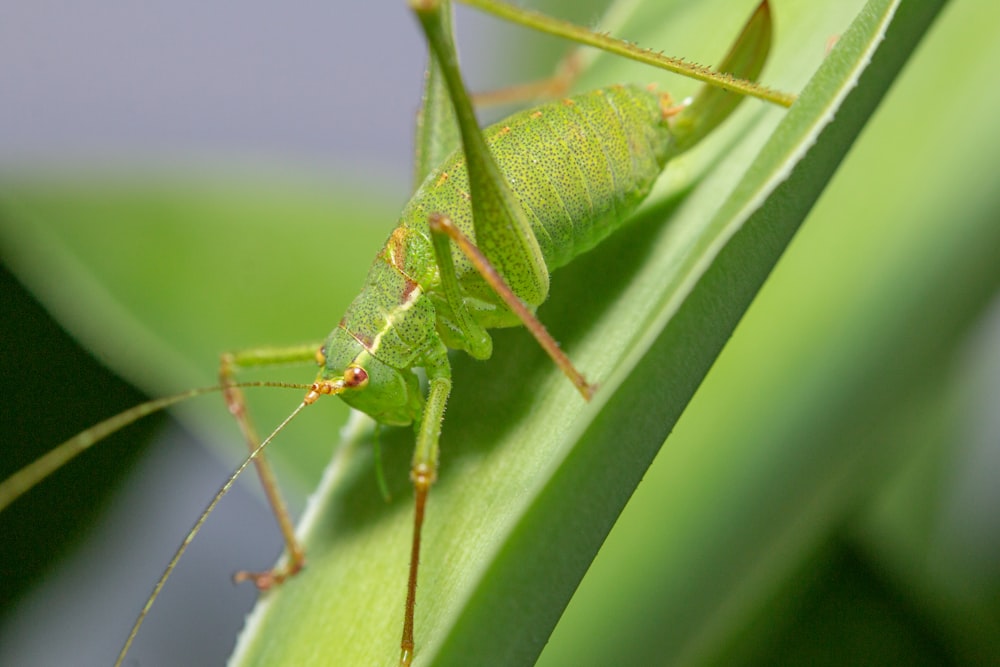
x=837, y=396
x=530, y=487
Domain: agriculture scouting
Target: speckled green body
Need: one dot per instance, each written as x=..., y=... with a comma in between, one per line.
x=579, y=167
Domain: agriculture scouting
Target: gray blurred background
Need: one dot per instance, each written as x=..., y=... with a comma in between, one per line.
x=302, y=83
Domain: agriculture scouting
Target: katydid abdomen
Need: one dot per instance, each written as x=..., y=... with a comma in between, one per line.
x=579, y=167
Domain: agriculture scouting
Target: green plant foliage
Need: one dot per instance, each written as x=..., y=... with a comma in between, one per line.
x=812, y=437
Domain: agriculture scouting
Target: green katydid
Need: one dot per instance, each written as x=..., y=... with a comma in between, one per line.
x=426, y=291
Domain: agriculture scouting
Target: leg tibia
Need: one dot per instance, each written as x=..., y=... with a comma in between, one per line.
x=443, y=225
x=423, y=473
x=236, y=403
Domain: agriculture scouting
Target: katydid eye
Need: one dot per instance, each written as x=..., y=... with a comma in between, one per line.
x=355, y=377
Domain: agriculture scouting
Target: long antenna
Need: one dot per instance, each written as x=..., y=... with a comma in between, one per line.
x=27, y=477
x=194, y=532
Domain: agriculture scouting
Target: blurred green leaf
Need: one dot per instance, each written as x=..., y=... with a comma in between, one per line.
x=159, y=275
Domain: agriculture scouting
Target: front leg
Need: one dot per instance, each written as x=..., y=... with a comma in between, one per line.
x=230, y=363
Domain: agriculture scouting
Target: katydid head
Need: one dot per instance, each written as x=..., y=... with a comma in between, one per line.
x=387, y=394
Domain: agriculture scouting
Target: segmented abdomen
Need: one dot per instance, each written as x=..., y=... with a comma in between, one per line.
x=580, y=167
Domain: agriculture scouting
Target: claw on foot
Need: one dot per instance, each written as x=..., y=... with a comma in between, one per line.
x=268, y=579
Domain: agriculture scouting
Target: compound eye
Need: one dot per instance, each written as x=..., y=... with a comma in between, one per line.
x=355, y=377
